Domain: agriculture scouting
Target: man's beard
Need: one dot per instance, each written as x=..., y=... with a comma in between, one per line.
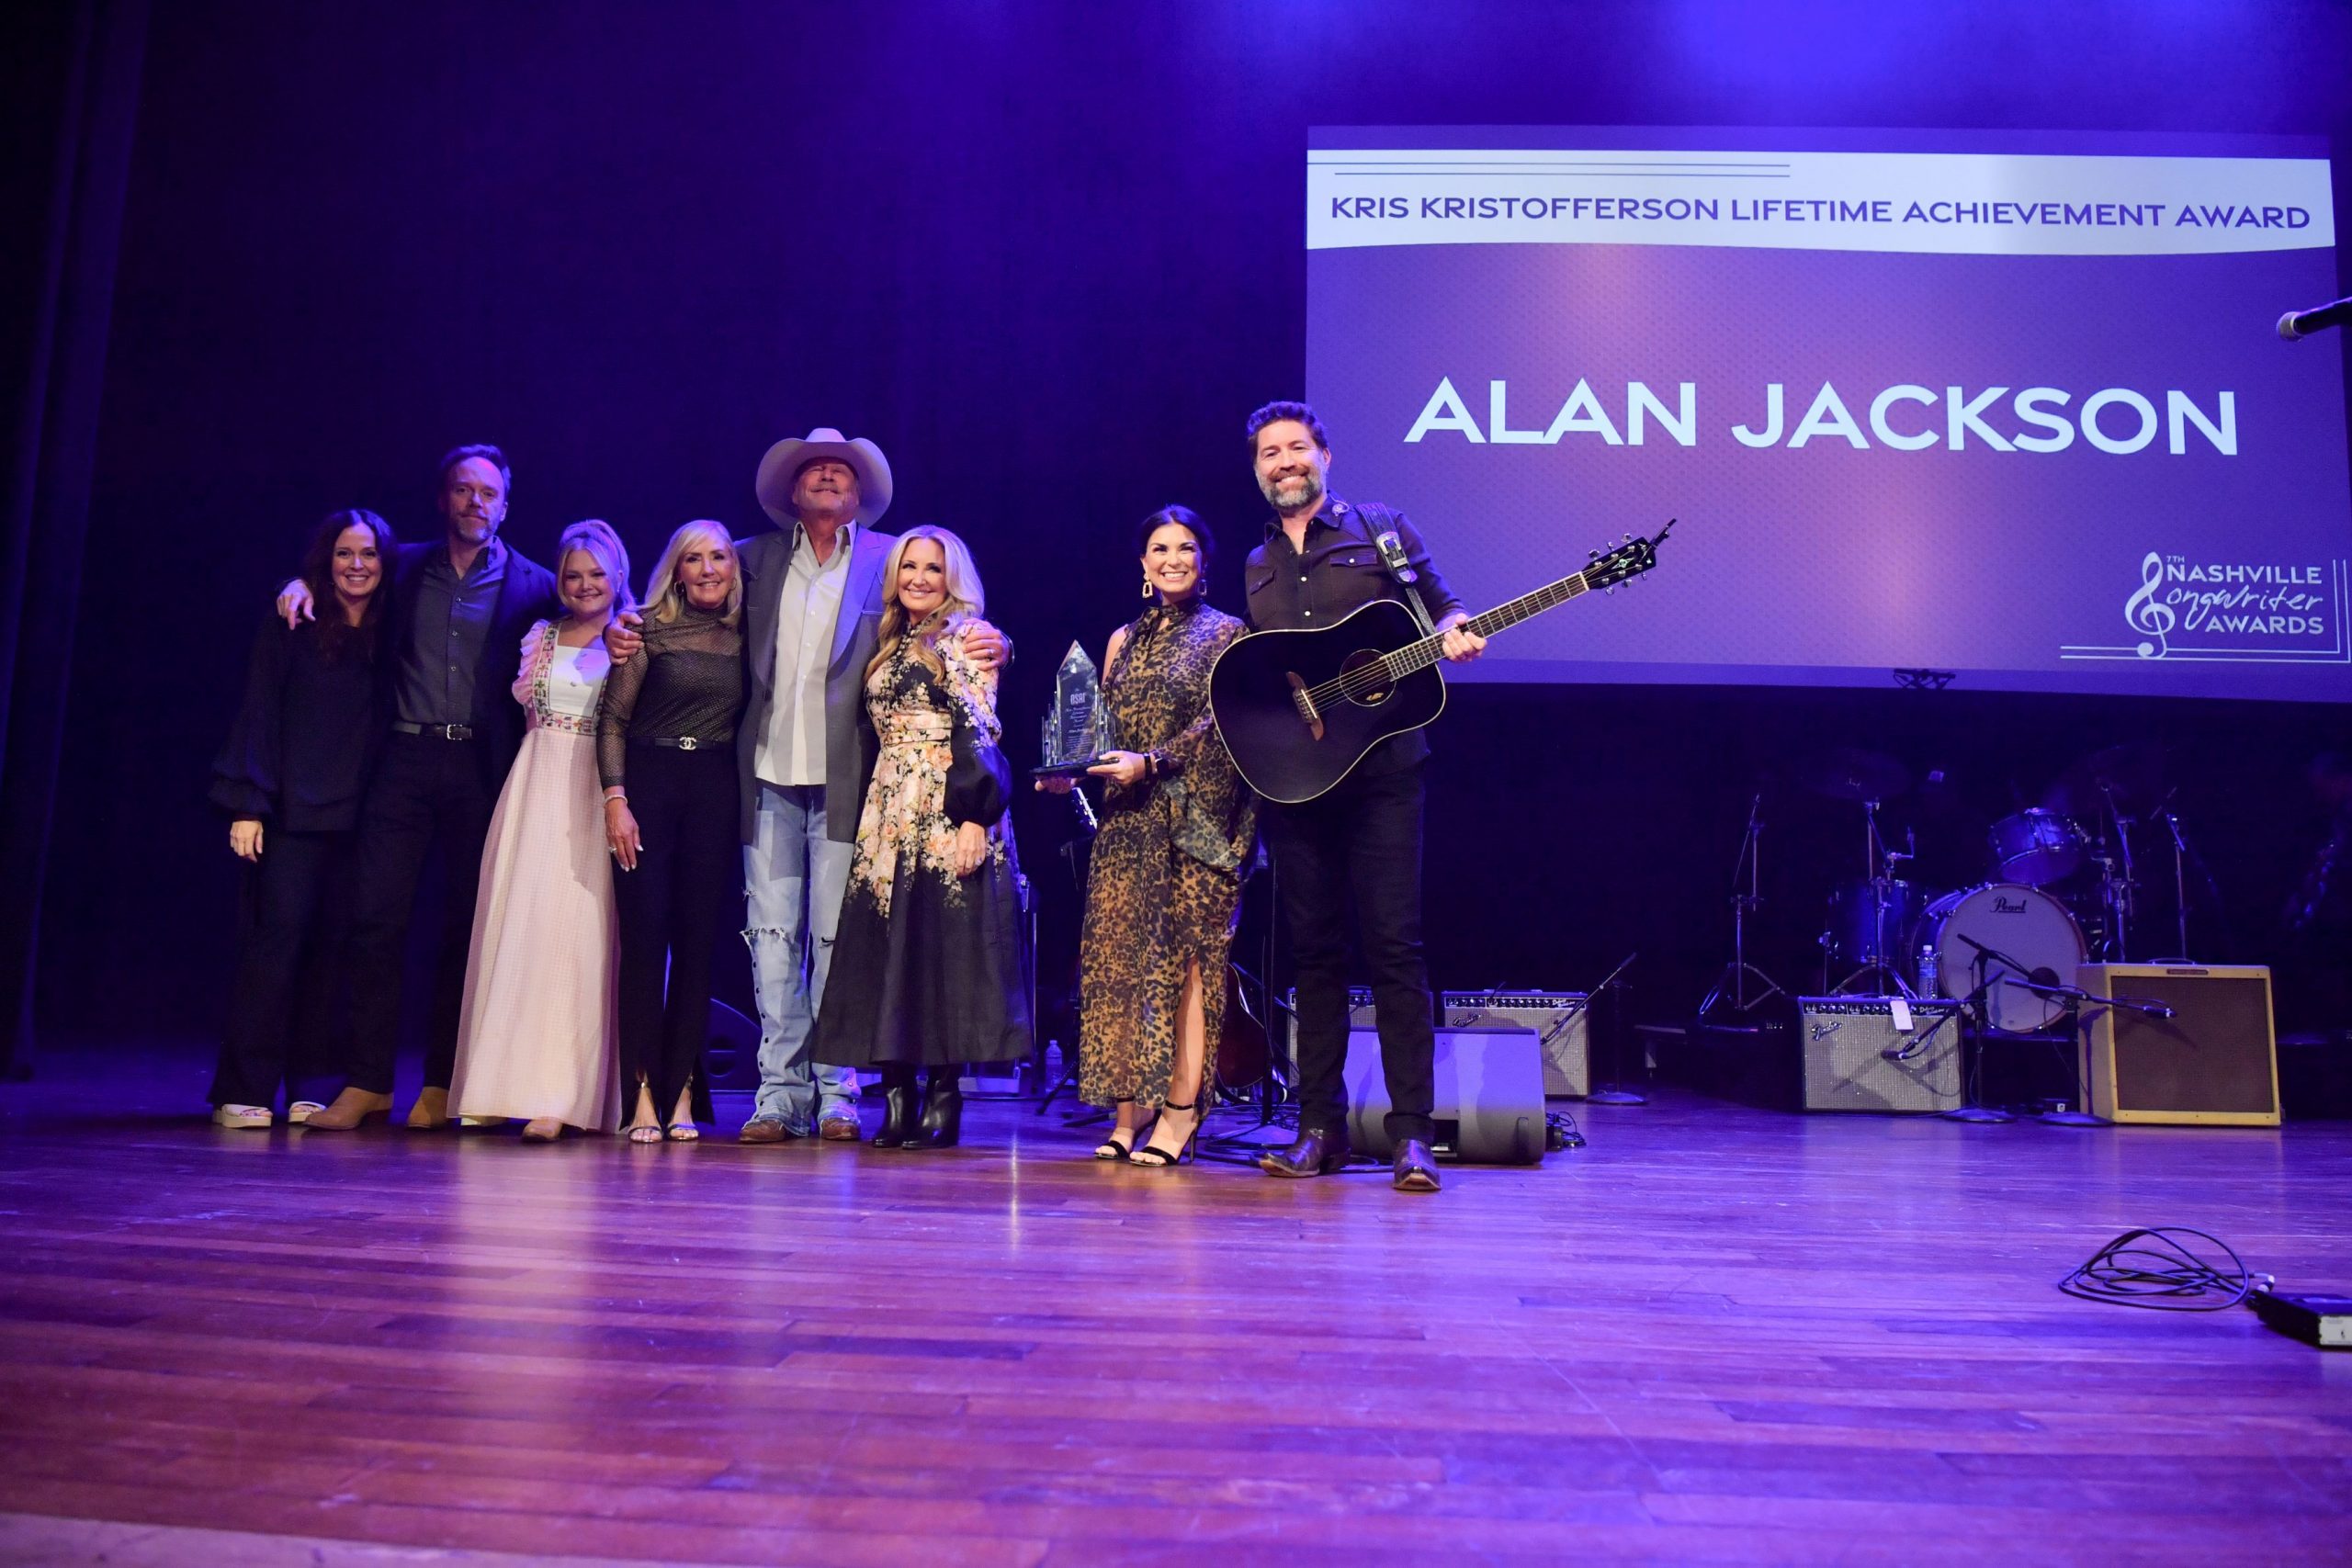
x=1309, y=492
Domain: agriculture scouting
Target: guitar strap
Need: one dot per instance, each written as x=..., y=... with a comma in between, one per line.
x=1384, y=540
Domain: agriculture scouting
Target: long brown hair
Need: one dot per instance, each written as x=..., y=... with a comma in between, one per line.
x=338, y=637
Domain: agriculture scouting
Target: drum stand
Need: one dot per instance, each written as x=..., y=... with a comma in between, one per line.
x=1878, y=872
x=2115, y=892
x=1735, y=974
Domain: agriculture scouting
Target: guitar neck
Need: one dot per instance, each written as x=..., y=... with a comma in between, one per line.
x=1429, y=649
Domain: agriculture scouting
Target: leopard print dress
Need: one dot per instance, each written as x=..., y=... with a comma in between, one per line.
x=1166, y=874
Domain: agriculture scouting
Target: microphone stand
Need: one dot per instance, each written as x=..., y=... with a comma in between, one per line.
x=2087, y=1008
x=2179, y=885
x=1972, y=1082
x=1744, y=904
x=1614, y=1092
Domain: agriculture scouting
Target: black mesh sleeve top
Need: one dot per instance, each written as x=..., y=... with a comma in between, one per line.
x=688, y=680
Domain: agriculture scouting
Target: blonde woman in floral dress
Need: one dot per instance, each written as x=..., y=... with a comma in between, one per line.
x=536, y=1031
x=930, y=964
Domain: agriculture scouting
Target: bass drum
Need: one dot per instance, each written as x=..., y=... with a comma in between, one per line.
x=2028, y=928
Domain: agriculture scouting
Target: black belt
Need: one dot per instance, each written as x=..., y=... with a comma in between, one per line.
x=684, y=742
x=439, y=731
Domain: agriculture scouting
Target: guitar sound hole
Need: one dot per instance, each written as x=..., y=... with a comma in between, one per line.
x=1364, y=684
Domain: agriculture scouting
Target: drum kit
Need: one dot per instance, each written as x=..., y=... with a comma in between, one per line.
x=2062, y=885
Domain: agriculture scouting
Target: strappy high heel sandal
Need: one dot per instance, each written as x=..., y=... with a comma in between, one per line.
x=683, y=1129
x=1162, y=1158
x=1111, y=1147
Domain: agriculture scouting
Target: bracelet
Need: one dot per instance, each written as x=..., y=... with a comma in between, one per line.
x=616, y=793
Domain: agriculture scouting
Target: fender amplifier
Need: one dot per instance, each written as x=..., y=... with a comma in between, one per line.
x=1847, y=1043
x=2214, y=1061
x=1488, y=1099
x=1560, y=1020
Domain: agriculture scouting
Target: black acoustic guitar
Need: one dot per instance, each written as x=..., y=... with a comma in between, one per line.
x=1298, y=709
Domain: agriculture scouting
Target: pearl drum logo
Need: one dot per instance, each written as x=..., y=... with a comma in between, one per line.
x=2185, y=610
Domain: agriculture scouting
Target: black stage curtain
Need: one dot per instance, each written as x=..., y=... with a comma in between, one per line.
x=72, y=91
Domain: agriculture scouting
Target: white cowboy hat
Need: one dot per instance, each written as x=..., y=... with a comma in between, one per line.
x=780, y=470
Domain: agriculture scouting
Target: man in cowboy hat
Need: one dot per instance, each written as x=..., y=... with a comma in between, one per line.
x=812, y=605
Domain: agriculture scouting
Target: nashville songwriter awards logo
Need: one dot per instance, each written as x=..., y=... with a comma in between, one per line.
x=2232, y=612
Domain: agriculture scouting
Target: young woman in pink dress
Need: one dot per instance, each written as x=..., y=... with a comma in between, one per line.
x=536, y=1037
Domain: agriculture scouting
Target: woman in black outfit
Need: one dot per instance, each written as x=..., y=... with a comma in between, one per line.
x=291, y=776
x=665, y=747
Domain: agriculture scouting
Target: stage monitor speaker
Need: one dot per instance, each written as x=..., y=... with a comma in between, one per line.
x=2214, y=1061
x=1561, y=1020
x=1488, y=1101
x=1846, y=1041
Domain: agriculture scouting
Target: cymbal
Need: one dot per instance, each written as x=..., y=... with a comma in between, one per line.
x=1851, y=774
x=2133, y=776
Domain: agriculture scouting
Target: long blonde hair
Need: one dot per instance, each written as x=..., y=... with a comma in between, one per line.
x=965, y=598
x=664, y=593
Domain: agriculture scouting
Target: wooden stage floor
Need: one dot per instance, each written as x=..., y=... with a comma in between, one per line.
x=1714, y=1335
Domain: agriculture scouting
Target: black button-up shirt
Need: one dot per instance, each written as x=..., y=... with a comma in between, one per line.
x=451, y=618
x=1341, y=572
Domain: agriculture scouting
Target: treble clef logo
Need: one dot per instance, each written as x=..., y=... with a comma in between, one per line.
x=2149, y=618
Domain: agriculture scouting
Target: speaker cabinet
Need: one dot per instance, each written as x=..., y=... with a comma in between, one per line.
x=1488, y=1099
x=1846, y=1041
x=1560, y=1019
x=2214, y=1062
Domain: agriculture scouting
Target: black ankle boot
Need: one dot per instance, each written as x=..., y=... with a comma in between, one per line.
x=899, y=1109
x=942, y=1111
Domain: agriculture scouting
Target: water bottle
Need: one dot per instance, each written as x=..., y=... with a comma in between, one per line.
x=1930, y=971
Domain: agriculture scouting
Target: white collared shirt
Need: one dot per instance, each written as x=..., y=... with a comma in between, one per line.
x=792, y=748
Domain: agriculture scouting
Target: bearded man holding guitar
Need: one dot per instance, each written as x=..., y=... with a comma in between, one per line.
x=1360, y=842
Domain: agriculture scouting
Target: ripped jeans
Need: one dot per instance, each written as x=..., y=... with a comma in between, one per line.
x=793, y=878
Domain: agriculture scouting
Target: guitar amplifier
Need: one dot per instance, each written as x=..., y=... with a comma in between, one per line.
x=2214, y=1061
x=1560, y=1020
x=1846, y=1041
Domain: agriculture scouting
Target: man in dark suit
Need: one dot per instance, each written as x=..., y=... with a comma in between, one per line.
x=459, y=609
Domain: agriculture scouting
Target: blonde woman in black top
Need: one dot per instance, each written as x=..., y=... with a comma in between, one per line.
x=665, y=748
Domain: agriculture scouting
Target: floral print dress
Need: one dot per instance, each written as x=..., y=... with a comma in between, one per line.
x=930, y=968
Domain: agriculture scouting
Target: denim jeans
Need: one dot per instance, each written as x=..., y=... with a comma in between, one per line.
x=793, y=878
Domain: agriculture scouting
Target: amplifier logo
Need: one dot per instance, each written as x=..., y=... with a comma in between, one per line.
x=2240, y=611
x=1825, y=1029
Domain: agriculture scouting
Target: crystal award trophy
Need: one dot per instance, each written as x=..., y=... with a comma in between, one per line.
x=1071, y=736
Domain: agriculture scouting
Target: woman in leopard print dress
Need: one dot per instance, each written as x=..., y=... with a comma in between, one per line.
x=1166, y=878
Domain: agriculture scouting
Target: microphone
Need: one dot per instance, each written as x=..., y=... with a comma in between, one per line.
x=2304, y=323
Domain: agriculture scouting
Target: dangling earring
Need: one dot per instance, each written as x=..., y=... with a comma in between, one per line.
x=1147, y=587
